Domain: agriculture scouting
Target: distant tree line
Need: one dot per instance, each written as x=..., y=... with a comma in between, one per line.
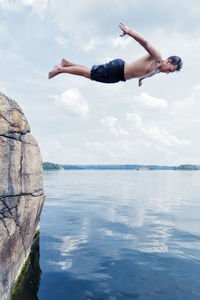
x=187, y=168
x=51, y=166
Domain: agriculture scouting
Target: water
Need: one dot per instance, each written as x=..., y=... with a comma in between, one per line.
x=120, y=235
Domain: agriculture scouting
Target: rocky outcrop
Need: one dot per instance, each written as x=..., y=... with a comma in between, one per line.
x=21, y=192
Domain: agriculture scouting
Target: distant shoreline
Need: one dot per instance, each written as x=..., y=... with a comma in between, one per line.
x=185, y=167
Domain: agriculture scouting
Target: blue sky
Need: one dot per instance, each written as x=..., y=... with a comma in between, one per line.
x=76, y=121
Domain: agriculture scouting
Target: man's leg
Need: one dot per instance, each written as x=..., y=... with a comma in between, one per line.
x=71, y=68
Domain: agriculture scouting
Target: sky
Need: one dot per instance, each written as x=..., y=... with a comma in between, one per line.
x=79, y=121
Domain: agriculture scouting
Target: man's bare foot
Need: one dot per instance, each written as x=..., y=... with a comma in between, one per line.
x=65, y=63
x=56, y=70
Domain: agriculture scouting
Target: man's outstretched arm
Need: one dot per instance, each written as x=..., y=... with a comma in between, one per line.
x=141, y=40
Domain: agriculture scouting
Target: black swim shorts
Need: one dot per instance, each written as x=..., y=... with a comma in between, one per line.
x=110, y=72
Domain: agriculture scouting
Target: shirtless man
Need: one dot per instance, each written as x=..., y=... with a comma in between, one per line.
x=119, y=70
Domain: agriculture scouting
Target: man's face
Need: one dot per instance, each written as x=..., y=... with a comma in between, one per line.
x=167, y=67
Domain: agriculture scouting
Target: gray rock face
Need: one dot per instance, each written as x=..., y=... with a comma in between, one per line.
x=21, y=192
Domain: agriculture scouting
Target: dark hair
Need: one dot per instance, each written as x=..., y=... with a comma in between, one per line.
x=176, y=61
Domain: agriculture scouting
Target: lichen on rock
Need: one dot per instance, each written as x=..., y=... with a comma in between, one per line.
x=21, y=191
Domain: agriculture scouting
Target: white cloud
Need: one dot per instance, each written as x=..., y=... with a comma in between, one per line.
x=80, y=19
x=121, y=42
x=27, y=2
x=61, y=40
x=85, y=12
x=2, y=88
x=92, y=43
x=38, y=6
x=196, y=89
x=59, y=152
x=170, y=45
x=110, y=122
x=186, y=110
x=72, y=103
x=153, y=132
x=9, y=4
x=11, y=56
x=3, y=30
x=108, y=151
x=161, y=134
x=149, y=102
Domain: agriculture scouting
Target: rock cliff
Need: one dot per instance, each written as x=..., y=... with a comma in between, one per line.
x=21, y=192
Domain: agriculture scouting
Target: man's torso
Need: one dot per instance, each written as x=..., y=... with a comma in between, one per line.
x=140, y=67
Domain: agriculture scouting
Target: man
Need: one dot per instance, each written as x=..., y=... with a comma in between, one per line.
x=119, y=70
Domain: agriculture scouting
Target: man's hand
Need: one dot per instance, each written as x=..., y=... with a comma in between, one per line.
x=140, y=81
x=156, y=55
x=124, y=28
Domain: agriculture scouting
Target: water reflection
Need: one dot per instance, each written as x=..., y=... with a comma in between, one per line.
x=120, y=235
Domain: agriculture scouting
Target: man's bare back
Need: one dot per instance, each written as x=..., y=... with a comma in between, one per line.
x=118, y=70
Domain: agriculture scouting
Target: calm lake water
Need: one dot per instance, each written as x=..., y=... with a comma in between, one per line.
x=109, y=235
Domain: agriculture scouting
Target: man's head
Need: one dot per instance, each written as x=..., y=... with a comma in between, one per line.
x=171, y=64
